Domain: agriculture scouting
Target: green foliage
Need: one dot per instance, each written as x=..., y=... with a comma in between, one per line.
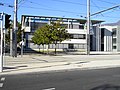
x=48, y=34
x=59, y=32
x=19, y=32
x=41, y=36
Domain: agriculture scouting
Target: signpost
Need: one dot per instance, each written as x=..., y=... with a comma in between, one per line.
x=1, y=44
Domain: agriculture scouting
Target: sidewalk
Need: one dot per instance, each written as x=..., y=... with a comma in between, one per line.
x=42, y=63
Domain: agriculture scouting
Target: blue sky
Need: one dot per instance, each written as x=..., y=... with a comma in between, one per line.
x=64, y=8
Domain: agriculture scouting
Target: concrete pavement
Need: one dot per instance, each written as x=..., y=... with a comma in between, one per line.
x=35, y=63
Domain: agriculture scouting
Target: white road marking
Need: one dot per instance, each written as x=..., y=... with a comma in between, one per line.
x=3, y=79
x=49, y=89
x=1, y=85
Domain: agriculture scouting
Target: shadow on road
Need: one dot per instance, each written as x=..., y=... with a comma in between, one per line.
x=4, y=68
x=106, y=87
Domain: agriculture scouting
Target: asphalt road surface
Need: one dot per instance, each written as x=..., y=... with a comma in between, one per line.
x=104, y=79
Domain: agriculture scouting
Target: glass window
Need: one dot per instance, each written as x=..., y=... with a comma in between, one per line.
x=114, y=47
x=27, y=22
x=71, y=36
x=81, y=46
x=60, y=46
x=65, y=45
x=81, y=27
x=114, y=40
x=81, y=36
x=51, y=46
x=36, y=25
x=76, y=46
x=114, y=32
x=75, y=36
x=75, y=26
x=71, y=46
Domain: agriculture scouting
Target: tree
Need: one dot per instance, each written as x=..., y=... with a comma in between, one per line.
x=50, y=34
x=59, y=33
x=41, y=36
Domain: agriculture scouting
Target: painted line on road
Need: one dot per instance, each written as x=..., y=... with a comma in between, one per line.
x=3, y=79
x=1, y=85
x=49, y=89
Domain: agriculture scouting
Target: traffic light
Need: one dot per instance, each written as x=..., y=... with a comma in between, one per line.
x=7, y=21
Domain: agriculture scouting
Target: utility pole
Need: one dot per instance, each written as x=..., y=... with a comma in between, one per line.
x=1, y=47
x=15, y=30
x=88, y=22
x=88, y=27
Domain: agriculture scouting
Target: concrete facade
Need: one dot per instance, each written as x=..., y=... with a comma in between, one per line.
x=75, y=27
x=111, y=37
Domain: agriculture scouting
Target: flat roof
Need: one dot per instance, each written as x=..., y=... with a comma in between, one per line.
x=82, y=21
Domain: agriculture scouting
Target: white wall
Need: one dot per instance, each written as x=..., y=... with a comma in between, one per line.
x=76, y=41
x=98, y=38
x=76, y=31
x=108, y=37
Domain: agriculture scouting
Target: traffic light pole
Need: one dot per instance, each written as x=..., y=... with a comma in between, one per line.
x=1, y=47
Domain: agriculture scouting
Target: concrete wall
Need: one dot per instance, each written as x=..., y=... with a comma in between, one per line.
x=94, y=39
x=98, y=38
x=108, y=38
x=118, y=38
x=74, y=27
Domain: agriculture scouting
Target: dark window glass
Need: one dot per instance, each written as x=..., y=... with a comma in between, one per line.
x=114, y=47
x=114, y=40
x=77, y=36
x=114, y=32
x=70, y=46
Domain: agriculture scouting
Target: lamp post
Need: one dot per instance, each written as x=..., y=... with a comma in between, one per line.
x=1, y=47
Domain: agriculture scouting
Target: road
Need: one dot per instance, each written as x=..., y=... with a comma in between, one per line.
x=99, y=79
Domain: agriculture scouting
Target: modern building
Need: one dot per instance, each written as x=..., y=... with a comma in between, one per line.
x=75, y=27
x=110, y=37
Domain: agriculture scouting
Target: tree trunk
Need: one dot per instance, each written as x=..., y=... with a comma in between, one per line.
x=55, y=46
x=48, y=49
x=39, y=48
x=43, y=48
